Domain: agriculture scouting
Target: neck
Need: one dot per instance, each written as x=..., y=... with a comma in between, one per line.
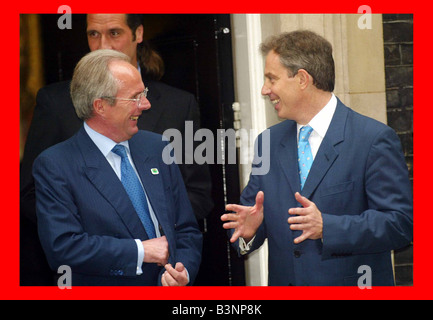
x=134, y=62
x=314, y=102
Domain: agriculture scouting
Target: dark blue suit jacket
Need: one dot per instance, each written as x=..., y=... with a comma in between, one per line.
x=358, y=180
x=86, y=220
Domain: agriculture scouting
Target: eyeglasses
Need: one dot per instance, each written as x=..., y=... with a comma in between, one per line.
x=137, y=100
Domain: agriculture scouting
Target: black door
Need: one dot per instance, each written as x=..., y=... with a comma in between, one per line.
x=197, y=54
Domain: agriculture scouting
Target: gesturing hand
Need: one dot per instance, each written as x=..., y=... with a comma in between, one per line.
x=308, y=219
x=246, y=220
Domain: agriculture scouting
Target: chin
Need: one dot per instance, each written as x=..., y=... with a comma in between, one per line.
x=133, y=132
x=281, y=115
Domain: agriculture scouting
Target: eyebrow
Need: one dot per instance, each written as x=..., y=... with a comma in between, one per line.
x=135, y=95
x=270, y=75
x=117, y=29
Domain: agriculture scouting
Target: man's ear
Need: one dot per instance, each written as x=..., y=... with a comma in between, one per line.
x=98, y=107
x=304, y=78
x=139, y=34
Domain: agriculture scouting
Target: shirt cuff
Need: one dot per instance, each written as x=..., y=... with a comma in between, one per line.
x=245, y=247
x=140, y=256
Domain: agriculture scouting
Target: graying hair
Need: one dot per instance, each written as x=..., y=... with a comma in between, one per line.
x=306, y=50
x=92, y=79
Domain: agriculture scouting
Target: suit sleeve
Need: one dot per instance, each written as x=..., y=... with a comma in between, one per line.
x=248, y=198
x=387, y=224
x=43, y=133
x=62, y=235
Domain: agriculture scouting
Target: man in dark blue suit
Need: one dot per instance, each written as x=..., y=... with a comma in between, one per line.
x=86, y=219
x=55, y=120
x=343, y=215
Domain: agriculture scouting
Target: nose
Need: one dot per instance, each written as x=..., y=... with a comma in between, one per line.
x=105, y=43
x=265, y=90
x=145, y=104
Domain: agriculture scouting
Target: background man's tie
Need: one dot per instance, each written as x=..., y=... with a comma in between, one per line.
x=135, y=191
x=305, y=157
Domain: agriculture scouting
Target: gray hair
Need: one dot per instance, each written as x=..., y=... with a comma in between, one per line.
x=92, y=79
x=306, y=50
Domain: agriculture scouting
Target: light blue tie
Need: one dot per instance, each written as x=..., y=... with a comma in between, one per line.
x=135, y=191
x=305, y=157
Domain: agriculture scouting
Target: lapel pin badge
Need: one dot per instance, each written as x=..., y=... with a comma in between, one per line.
x=154, y=171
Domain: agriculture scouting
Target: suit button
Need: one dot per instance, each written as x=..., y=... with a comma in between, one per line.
x=297, y=253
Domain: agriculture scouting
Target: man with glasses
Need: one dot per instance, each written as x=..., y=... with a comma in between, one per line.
x=55, y=120
x=107, y=205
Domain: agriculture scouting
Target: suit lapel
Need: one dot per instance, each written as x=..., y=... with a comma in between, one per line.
x=287, y=155
x=327, y=152
x=150, y=173
x=102, y=176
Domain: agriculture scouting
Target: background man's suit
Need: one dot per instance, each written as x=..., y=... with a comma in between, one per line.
x=358, y=180
x=87, y=221
x=55, y=120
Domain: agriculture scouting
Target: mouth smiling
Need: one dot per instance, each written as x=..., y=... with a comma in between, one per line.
x=134, y=118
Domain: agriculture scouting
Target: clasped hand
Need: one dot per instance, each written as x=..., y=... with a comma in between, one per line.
x=156, y=251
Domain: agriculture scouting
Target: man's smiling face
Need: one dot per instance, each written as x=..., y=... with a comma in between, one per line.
x=280, y=87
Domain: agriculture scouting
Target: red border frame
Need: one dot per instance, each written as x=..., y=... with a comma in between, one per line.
x=9, y=240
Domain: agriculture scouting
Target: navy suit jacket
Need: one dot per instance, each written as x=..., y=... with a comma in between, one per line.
x=359, y=182
x=55, y=120
x=86, y=220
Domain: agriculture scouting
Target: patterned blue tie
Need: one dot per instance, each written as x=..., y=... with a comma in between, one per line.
x=135, y=191
x=305, y=157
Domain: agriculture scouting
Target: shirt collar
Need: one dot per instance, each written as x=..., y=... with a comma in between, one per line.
x=321, y=121
x=104, y=144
